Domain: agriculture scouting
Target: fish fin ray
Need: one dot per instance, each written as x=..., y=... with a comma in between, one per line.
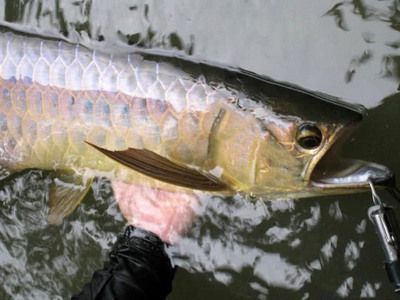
x=66, y=192
x=156, y=166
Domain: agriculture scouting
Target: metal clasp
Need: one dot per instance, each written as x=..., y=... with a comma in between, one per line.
x=386, y=227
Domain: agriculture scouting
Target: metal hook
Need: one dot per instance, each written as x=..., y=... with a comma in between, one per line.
x=375, y=197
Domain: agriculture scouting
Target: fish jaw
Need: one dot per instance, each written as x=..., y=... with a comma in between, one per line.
x=333, y=174
x=344, y=174
x=329, y=173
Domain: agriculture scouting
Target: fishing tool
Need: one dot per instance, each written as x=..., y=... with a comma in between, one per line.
x=386, y=227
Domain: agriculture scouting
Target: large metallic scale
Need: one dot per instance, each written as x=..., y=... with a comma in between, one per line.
x=59, y=102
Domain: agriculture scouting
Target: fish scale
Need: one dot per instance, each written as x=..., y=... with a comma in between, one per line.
x=65, y=107
x=57, y=96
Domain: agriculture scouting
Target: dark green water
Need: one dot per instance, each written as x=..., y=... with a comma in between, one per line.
x=320, y=248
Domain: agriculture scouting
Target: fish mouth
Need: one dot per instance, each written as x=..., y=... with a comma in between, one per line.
x=330, y=171
x=336, y=173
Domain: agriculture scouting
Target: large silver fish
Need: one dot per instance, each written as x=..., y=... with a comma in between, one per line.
x=166, y=123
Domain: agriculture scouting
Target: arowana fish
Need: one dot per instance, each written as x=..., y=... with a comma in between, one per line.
x=166, y=122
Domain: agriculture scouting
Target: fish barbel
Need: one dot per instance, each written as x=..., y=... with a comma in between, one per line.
x=166, y=122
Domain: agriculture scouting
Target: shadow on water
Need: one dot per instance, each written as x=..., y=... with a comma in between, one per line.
x=378, y=136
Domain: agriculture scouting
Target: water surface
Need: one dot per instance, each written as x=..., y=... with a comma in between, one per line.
x=305, y=249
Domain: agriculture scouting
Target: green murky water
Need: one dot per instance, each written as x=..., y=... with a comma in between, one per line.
x=307, y=249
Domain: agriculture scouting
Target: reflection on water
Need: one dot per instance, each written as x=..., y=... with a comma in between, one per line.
x=46, y=262
x=250, y=249
x=244, y=249
x=75, y=20
x=320, y=45
x=381, y=20
x=237, y=249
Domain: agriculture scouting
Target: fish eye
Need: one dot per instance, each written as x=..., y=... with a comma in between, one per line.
x=309, y=136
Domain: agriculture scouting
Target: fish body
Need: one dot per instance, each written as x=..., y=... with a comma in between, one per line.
x=59, y=102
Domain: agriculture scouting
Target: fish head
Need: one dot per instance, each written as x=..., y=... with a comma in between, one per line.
x=298, y=155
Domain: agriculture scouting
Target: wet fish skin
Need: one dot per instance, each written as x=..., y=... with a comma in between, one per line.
x=55, y=96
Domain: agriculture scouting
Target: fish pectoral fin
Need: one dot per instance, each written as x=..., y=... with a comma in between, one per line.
x=65, y=193
x=158, y=167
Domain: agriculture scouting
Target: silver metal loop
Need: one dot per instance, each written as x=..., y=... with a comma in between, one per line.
x=375, y=197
